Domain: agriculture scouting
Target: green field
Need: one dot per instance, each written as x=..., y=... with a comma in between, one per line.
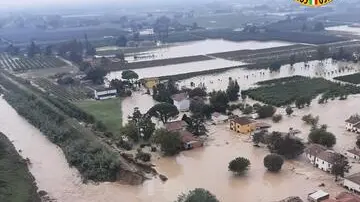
x=352, y=78
x=107, y=111
x=16, y=182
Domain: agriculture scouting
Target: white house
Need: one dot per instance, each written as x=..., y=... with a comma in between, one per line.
x=320, y=157
x=353, y=123
x=318, y=196
x=181, y=101
x=103, y=94
x=312, y=151
x=352, y=182
x=353, y=153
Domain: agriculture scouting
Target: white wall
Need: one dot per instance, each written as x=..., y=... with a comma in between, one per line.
x=351, y=155
x=323, y=165
x=311, y=158
x=349, y=126
x=183, y=105
x=351, y=185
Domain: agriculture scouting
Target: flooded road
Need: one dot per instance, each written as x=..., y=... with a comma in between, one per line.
x=205, y=167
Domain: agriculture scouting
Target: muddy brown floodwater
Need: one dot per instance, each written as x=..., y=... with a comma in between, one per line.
x=205, y=167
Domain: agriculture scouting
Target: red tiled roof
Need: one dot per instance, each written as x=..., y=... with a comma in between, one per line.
x=328, y=156
x=354, y=178
x=242, y=120
x=315, y=149
x=187, y=137
x=353, y=119
x=175, y=125
x=354, y=151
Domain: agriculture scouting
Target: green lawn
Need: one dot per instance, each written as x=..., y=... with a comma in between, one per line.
x=16, y=182
x=107, y=111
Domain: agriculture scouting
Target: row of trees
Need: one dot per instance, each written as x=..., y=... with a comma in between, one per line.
x=273, y=162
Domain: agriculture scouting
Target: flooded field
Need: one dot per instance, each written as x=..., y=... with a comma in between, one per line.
x=204, y=47
x=179, y=68
x=345, y=29
x=205, y=167
x=247, y=77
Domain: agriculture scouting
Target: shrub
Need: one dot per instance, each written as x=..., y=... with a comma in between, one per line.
x=273, y=162
x=169, y=142
x=277, y=118
x=239, y=165
x=266, y=111
x=310, y=120
x=146, y=157
x=197, y=195
x=322, y=136
x=289, y=110
x=248, y=110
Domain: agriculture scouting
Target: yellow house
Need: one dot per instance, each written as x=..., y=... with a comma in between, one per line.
x=151, y=82
x=242, y=125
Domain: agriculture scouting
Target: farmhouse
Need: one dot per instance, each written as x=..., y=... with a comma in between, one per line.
x=189, y=141
x=353, y=153
x=344, y=197
x=312, y=151
x=104, y=93
x=352, y=182
x=353, y=123
x=325, y=160
x=175, y=125
x=181, y=101
x=242, y=125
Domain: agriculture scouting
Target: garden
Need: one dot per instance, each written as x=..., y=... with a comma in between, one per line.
x=285, y=91
x=352, y=78
x=25, y=63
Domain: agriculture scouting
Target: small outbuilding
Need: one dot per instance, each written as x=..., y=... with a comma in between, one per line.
x=242, y=125
x=181, y=101
x=352, y=182
x=104, y=93
x=318, y=196
x=189, y=141
x=353, y=153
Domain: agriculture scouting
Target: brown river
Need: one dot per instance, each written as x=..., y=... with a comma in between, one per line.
x=205, y=167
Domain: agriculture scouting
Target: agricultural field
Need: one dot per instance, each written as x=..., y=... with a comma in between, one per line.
x=70, y=93
x=352, y=78
x=106, y=111
x=285, y=91
x=24, y=63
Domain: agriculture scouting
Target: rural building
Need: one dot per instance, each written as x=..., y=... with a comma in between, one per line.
x=344, y=197
x=353, y=123
x=181, y=101
x=352, y=182
x=325, y=160
x=318, y=196
x=312, y=151
x=242, y=125
x=189, y=141
x=219, y=118
x=175, y=125
x=104, y=93
x=150, y=83
x=261, y=126
x=353, y=153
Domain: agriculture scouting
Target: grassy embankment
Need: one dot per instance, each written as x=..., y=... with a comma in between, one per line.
x=16, y=182
x=352, y=78
x=106, y=111
x=285, y=91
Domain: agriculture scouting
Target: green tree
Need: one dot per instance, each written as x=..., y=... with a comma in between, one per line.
x=289, y=110
x=129, y=75
x=96, y=75
x=322, y=136
x=239, y=165
x=233, y=90
x=197, y=92
x=274, y=67
x=301, y=102
x=273, y=162
x=258, y=137
x=310, y=120
x=131, y=131
x=162, y=94
x=248, y=109
x=196, y=125
x=340, y=166
x=163, y=111
x=266, y=111
x=169, y=142
x=277, y=118
x=219, y=101
x=147, y=127
x=287, y=146
x=197, y=195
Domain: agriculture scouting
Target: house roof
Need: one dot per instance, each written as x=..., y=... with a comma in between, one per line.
x=353, y=119
x=357, y=125
x=354, y=151
x=318, y=195
x=180, y=97
x=345, y=197
x=242, y=120
x=175, y=125
x=328, y=156
x=262, y=125
x=354, y=178
x=187, y=137
x=315, y=149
